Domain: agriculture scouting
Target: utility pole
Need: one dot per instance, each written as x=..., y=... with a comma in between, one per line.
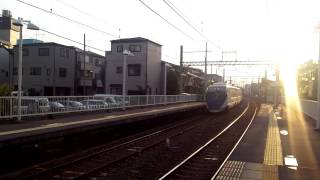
x=224, y=74
x=276, y=89
x=266, y=85
x=84, y=65
x=205, y=68
x=181, y=70
x=318, y=120
x=259, y=85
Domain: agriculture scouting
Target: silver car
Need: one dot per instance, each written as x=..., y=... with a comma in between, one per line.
x=73, y=105
x=95, y=104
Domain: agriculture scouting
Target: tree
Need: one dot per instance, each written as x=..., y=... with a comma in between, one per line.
x=172, y=83
x=4, y=90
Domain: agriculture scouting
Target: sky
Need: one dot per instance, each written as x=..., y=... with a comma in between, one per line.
x=275, y=30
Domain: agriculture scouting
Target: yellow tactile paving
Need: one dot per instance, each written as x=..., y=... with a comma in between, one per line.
x=270, y=172
x=273, y=150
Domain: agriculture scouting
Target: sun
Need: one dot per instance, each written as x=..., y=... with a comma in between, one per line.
x=288, y=75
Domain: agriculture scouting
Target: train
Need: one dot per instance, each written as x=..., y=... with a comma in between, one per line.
x=222, y=96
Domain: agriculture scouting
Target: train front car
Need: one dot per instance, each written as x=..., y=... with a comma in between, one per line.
x=216, y=97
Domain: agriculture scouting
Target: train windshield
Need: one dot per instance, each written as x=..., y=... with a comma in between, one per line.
x=217, y=93
x=215, y=99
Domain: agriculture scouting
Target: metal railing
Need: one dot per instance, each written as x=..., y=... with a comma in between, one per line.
x=46, y=105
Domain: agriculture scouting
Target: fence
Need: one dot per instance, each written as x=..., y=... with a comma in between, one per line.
x=37, y=106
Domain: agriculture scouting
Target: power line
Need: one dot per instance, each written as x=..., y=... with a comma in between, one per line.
x=167, y=21
x=77, y=42
x=199, y=51
x=87, y=14
x=183, y=17
x=66, y=18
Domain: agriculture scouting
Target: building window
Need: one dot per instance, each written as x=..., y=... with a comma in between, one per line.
x=62, y=72
x=119, y=70
x=35, y=71
x=120, y=49
x=25, y=52
x=64, y=52
x=98, y=62
x=43, y=52
x=91, y=61
x=135, y=48
x=134, y=69
x=87, y=59
x=87, y=74
x=48, y=72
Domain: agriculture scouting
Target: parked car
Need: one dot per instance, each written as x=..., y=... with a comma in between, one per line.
x=73, y=105
x=57, y=107
x=31, y=105
x=109, y=99
x=119, y=100
x=94, y=104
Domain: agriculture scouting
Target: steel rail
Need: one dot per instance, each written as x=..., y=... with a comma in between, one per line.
x=204, y=146
x=234, y=147
x=68, y=163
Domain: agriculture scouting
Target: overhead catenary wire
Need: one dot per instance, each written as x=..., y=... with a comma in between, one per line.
x=68, y=19
x=167, y=21
x=198, y=51
x=87, y=14
x=74, y=41
x=183, y=17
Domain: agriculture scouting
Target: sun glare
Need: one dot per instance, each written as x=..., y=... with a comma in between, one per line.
x=288, y=73
x=294, y=115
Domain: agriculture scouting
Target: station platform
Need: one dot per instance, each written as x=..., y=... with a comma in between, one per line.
x=280, y=144
x=63, y=125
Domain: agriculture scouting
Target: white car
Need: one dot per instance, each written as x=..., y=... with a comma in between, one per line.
x=32, y=105
x=73, y=105
x=95, y=104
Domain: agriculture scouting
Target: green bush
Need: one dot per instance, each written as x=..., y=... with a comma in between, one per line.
x=4, y=90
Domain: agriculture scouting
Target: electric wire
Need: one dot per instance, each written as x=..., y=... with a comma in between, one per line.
x=183, y=17
x=74, y=41
x=87, y=14
x=167, y=21
x=66, y=18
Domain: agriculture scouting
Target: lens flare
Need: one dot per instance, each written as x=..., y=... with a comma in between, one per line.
x=294, y=114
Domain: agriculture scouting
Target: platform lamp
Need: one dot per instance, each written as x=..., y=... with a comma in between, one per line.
x=124, y=75
x=30, y=26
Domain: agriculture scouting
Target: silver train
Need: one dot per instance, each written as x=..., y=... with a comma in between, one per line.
x=221, y=96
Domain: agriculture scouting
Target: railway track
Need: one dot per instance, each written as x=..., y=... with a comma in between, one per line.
x=206, y=161
x=144, y=157
x=78, y=167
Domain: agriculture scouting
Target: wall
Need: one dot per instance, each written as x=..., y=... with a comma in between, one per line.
x=51, y=63
x=310, y=108
x=154, y=68
x=4, y=66
x=115, y=59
